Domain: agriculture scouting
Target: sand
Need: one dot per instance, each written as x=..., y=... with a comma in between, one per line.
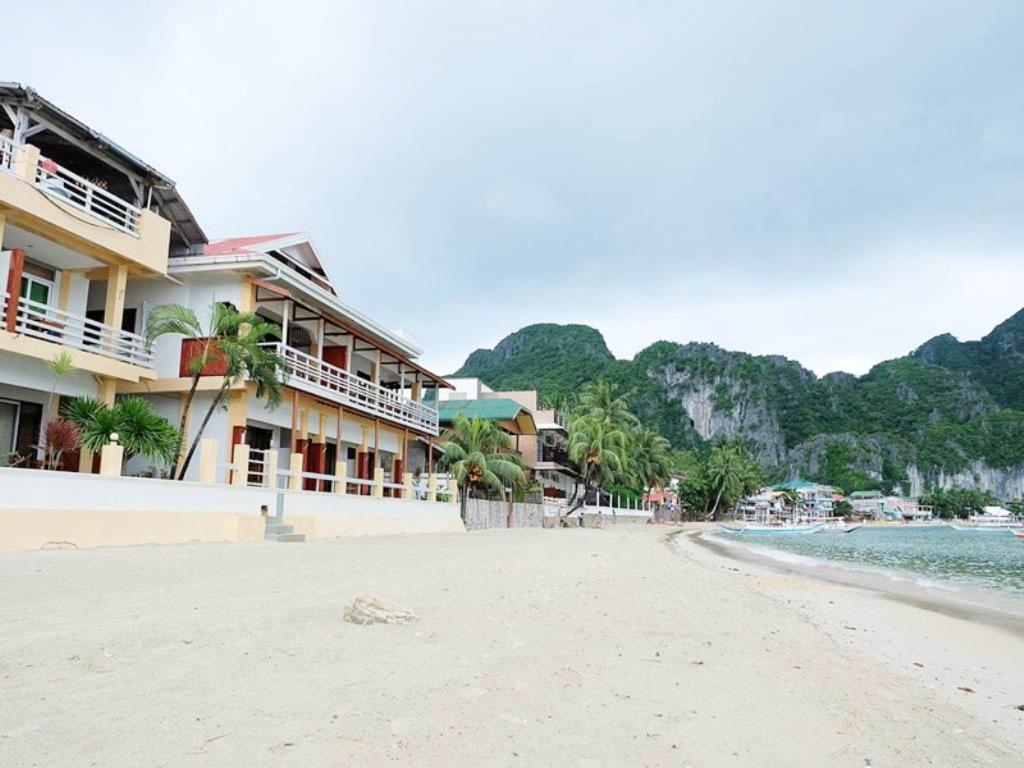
x=612, y=647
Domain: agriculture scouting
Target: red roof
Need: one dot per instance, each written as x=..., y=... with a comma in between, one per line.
x=242, y=244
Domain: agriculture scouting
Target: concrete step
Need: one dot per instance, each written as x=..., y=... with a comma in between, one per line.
x=286, y=537
x=277, y=529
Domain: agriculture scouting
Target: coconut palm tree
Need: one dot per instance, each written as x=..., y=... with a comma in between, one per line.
x=599, y=449
x=600, y=401
x=732, y=472
x=479, y=454
x=650, y=458
x=230, y=339
x=139, y=428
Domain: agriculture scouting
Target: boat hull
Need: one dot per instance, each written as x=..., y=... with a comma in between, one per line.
x=771, y=530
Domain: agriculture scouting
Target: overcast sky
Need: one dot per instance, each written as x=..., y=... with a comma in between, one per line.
x=778, y=177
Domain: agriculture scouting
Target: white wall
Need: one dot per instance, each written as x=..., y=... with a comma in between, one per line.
x=34, y=375
x=197, y=292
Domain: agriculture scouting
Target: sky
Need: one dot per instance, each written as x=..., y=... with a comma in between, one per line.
x=834, y=182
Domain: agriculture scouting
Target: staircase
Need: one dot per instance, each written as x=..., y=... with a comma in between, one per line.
x=277, y=531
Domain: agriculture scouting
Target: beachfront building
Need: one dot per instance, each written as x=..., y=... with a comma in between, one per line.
x=83, y=225
x=813, y=499
x=353, y=388
x=538, y=434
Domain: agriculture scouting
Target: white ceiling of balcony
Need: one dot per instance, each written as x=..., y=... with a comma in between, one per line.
x=45, y=252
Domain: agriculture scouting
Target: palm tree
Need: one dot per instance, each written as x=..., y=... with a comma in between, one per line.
x=732, y=472
x=139, y=428
x=480, y=455
x=598, y=449
x=650, y=459
x=600, y=401
x=231, y=339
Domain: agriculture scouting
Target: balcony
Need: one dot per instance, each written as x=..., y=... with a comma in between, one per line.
x=324, y=380
x=79, y=212
x=7, y=148
x=57, y=181
x=551, y=455
x=47, y=323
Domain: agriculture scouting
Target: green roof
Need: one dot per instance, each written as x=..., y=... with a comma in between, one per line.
x=491, y=408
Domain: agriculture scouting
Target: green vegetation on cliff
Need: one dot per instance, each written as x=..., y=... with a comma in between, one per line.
x=940, y=410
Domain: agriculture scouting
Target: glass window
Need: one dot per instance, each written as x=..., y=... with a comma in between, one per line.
x=35, y=289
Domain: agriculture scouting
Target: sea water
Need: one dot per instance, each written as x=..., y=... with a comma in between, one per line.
x=937, y=557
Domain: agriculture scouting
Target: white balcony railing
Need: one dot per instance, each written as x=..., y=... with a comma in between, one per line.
x=42, y=321
x=7, y=148
x=317, y=377
x=58, y=182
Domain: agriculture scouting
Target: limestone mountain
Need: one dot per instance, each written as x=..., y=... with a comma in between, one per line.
x=950, y=413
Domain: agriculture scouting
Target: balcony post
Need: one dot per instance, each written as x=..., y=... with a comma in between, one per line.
x=14, y=270
x=431, y=487
x=26, y=163
x=113, y=311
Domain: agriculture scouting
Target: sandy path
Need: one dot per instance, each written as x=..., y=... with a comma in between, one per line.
x=535, y=648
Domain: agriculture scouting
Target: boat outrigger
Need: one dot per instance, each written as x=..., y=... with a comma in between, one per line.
x=990, y=519
x=770, y=529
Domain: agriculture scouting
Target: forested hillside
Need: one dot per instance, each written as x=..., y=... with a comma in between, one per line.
x=950, y=413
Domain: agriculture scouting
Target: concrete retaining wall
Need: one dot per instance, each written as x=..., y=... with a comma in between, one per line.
x=39, y=508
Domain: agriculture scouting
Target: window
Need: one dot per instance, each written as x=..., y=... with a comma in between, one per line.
x=37, y=283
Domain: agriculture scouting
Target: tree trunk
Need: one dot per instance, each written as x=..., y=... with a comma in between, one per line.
x=202, y=427
x=718, y=498
x=463, y=498
x=182, y=436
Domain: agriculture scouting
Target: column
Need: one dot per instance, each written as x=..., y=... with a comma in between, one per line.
x=14, y=270
x=113, y=310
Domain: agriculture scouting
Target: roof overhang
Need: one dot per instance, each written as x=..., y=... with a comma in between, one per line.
x=171, y=205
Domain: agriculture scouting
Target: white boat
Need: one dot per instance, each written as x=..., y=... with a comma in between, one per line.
x=840, y=526
x=990, y=519
x=763, y=529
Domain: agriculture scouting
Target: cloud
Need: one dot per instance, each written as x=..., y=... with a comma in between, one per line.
x=751, y=174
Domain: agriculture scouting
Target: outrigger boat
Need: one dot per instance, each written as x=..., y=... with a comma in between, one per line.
x=1019, y=534
x=838, y=525
x=768, y=529
x=991, y=519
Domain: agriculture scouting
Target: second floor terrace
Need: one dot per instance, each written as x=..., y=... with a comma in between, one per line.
x=54, y=299
x=65, y=181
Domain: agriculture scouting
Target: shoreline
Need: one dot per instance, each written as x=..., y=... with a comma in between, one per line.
x=1001, y=611
x=934, y=639
x=591, y=648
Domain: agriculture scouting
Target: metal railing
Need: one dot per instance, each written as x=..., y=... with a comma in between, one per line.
x=308, y=373
x=7, y=148
x=58, y=182
x=41, y=321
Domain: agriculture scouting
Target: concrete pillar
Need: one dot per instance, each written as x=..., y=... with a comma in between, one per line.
x=415, y=393
x=14, y=270
x=111, y=458
x=270, y=469
x=26, y=163
x=378, y=482
x=208, y=460
x=431, y=487
x=240, y=474
x=407, y=481
x=107, y=390
x=113, y=309
x=295, y=468
x=85, y=461
x=340, y=470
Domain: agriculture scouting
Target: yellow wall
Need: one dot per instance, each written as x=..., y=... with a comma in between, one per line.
x=25, y=529
x=27, y=207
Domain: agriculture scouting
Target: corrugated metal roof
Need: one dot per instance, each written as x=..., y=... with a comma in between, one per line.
x=491, y=408
x=172, y=206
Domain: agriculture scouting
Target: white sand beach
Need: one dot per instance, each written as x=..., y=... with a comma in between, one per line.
x=613, y=647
